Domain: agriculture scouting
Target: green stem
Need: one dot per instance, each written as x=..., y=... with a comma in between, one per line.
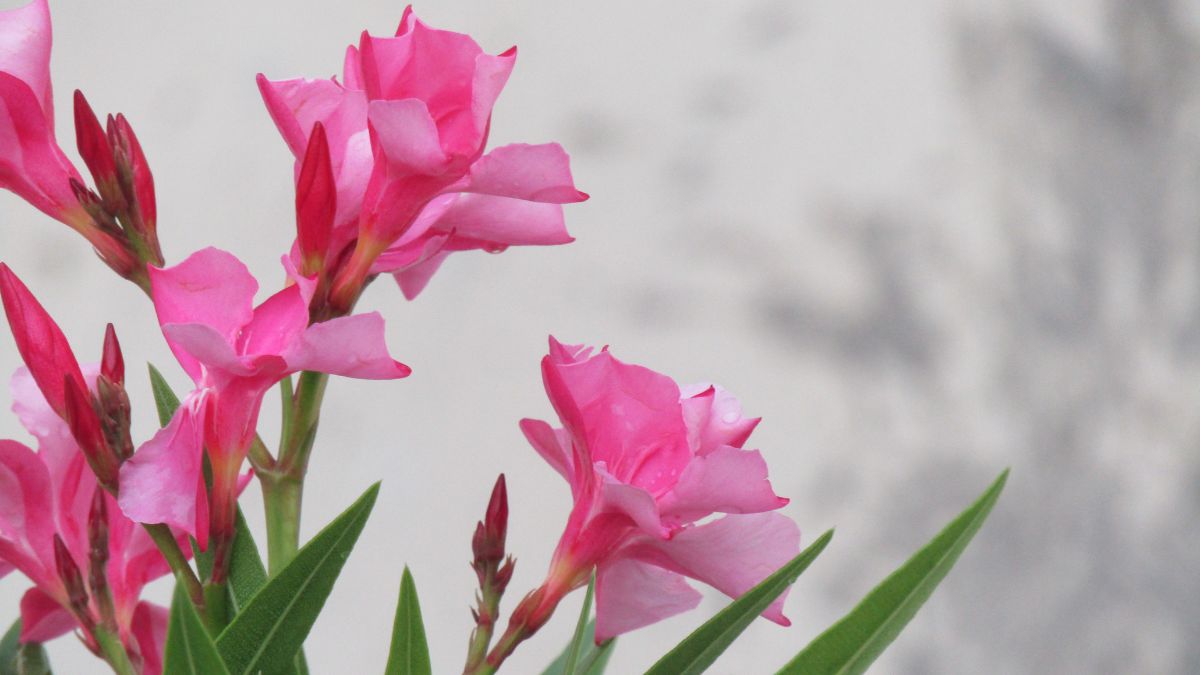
x=169, y=547
x=282, y=500
x=113, y=651
x=283, y=489
x=216, y=600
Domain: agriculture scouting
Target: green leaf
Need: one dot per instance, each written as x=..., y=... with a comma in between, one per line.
x=269, y=630
x=190, y=649
x=8, y=649
x=575, y=647
x=409, y=654
x=593, y=658
x=854, y=642
x=164, y=399
x=22, y=659
x=698, y=650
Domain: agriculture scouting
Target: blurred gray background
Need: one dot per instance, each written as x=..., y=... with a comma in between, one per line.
x=924, y=241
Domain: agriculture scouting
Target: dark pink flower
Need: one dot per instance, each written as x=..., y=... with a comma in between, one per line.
x=234, y=352
x=647, y=464
x=407, y=129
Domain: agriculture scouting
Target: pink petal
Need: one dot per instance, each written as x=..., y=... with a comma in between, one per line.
x=26, y=512
x=714, y=419
x=211, y=287
x=727, y=480
x=25, y=50
x=486, y=222
x=631, y=501
x=552, y=444
x=149, y=632
x=162, y=482
x=631, y=594
x=414, y=279
x=31, y=163
x=42, y=618
x=203, y=345
x=407, y=136
x=731, y=554
x=491, y=74
x=539, y=173
x=630, y=416
x=277, y=323
x=351, y=346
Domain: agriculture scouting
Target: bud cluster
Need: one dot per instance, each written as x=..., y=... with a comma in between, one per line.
x=122, y=207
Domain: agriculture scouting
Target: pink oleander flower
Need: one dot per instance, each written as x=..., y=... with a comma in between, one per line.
x=407, y=127
x=31, y=163
x=119, y=222
x=648, y=464
x=52, y=494
x=234, y=353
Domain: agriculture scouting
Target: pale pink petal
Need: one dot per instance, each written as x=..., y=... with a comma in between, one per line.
x=732, y=554
x=26, y=511
x=727, y=480
x=42, y=618
x=407, y=136
x=491, y=74
x=202, y=344
x=631, y=594
x=631, y=501
x=714, y=418
x=162, y=481
x=552, y=444
x=352, y=346
x=414, y=279
x=539, y=173
x=149, y=632
x=491, y=223
x=211, y=287
x=25, y=50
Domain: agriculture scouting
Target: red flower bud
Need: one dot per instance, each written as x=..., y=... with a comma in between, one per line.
x=81, y=418
x=488, y=542
x=97, y=153
x=40, y=341
x=98, y=557
x=112, y=364
x=137, y=185
x=72, y=579
x=316, y=202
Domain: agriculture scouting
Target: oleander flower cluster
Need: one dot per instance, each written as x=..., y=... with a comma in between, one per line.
x=393, y=173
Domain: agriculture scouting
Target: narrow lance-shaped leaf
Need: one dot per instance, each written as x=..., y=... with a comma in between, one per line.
x=274, y=623
x=165, y=399
x=409, y=654
x=190, y=649
x=576, y=646
x=22, y=659
x=698, y=650
x=853, y=643
x=247, y=573
x=593, y=658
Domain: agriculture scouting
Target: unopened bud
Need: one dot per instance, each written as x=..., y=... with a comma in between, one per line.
x=316, y=203
x=84, y=423
x=490, y=535
x=112, y=405
x=504, y=575
x=98, y=557
x=137, y=185
x=72, y=579
x=112, y=364
x=97, y=153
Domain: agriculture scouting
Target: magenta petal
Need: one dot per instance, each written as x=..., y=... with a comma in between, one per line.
x=733, y=554
x=538, y=173
x=631, y=594
x=277, y=322
x=727, y=480
x=149, y=631
x=204, y=345
x=42, y=618
x=352, y=346
x=159, y=483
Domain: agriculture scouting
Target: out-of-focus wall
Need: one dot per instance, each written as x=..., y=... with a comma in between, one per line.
x=924, y=241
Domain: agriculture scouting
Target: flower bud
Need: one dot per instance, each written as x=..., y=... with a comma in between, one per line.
x=112, y=364
x=112, y=405
x=84, y=423
x=137, y=185
x=72, y=579
x=97, y=153
x=316, y=203
x=98, y=558
x=490, y=535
